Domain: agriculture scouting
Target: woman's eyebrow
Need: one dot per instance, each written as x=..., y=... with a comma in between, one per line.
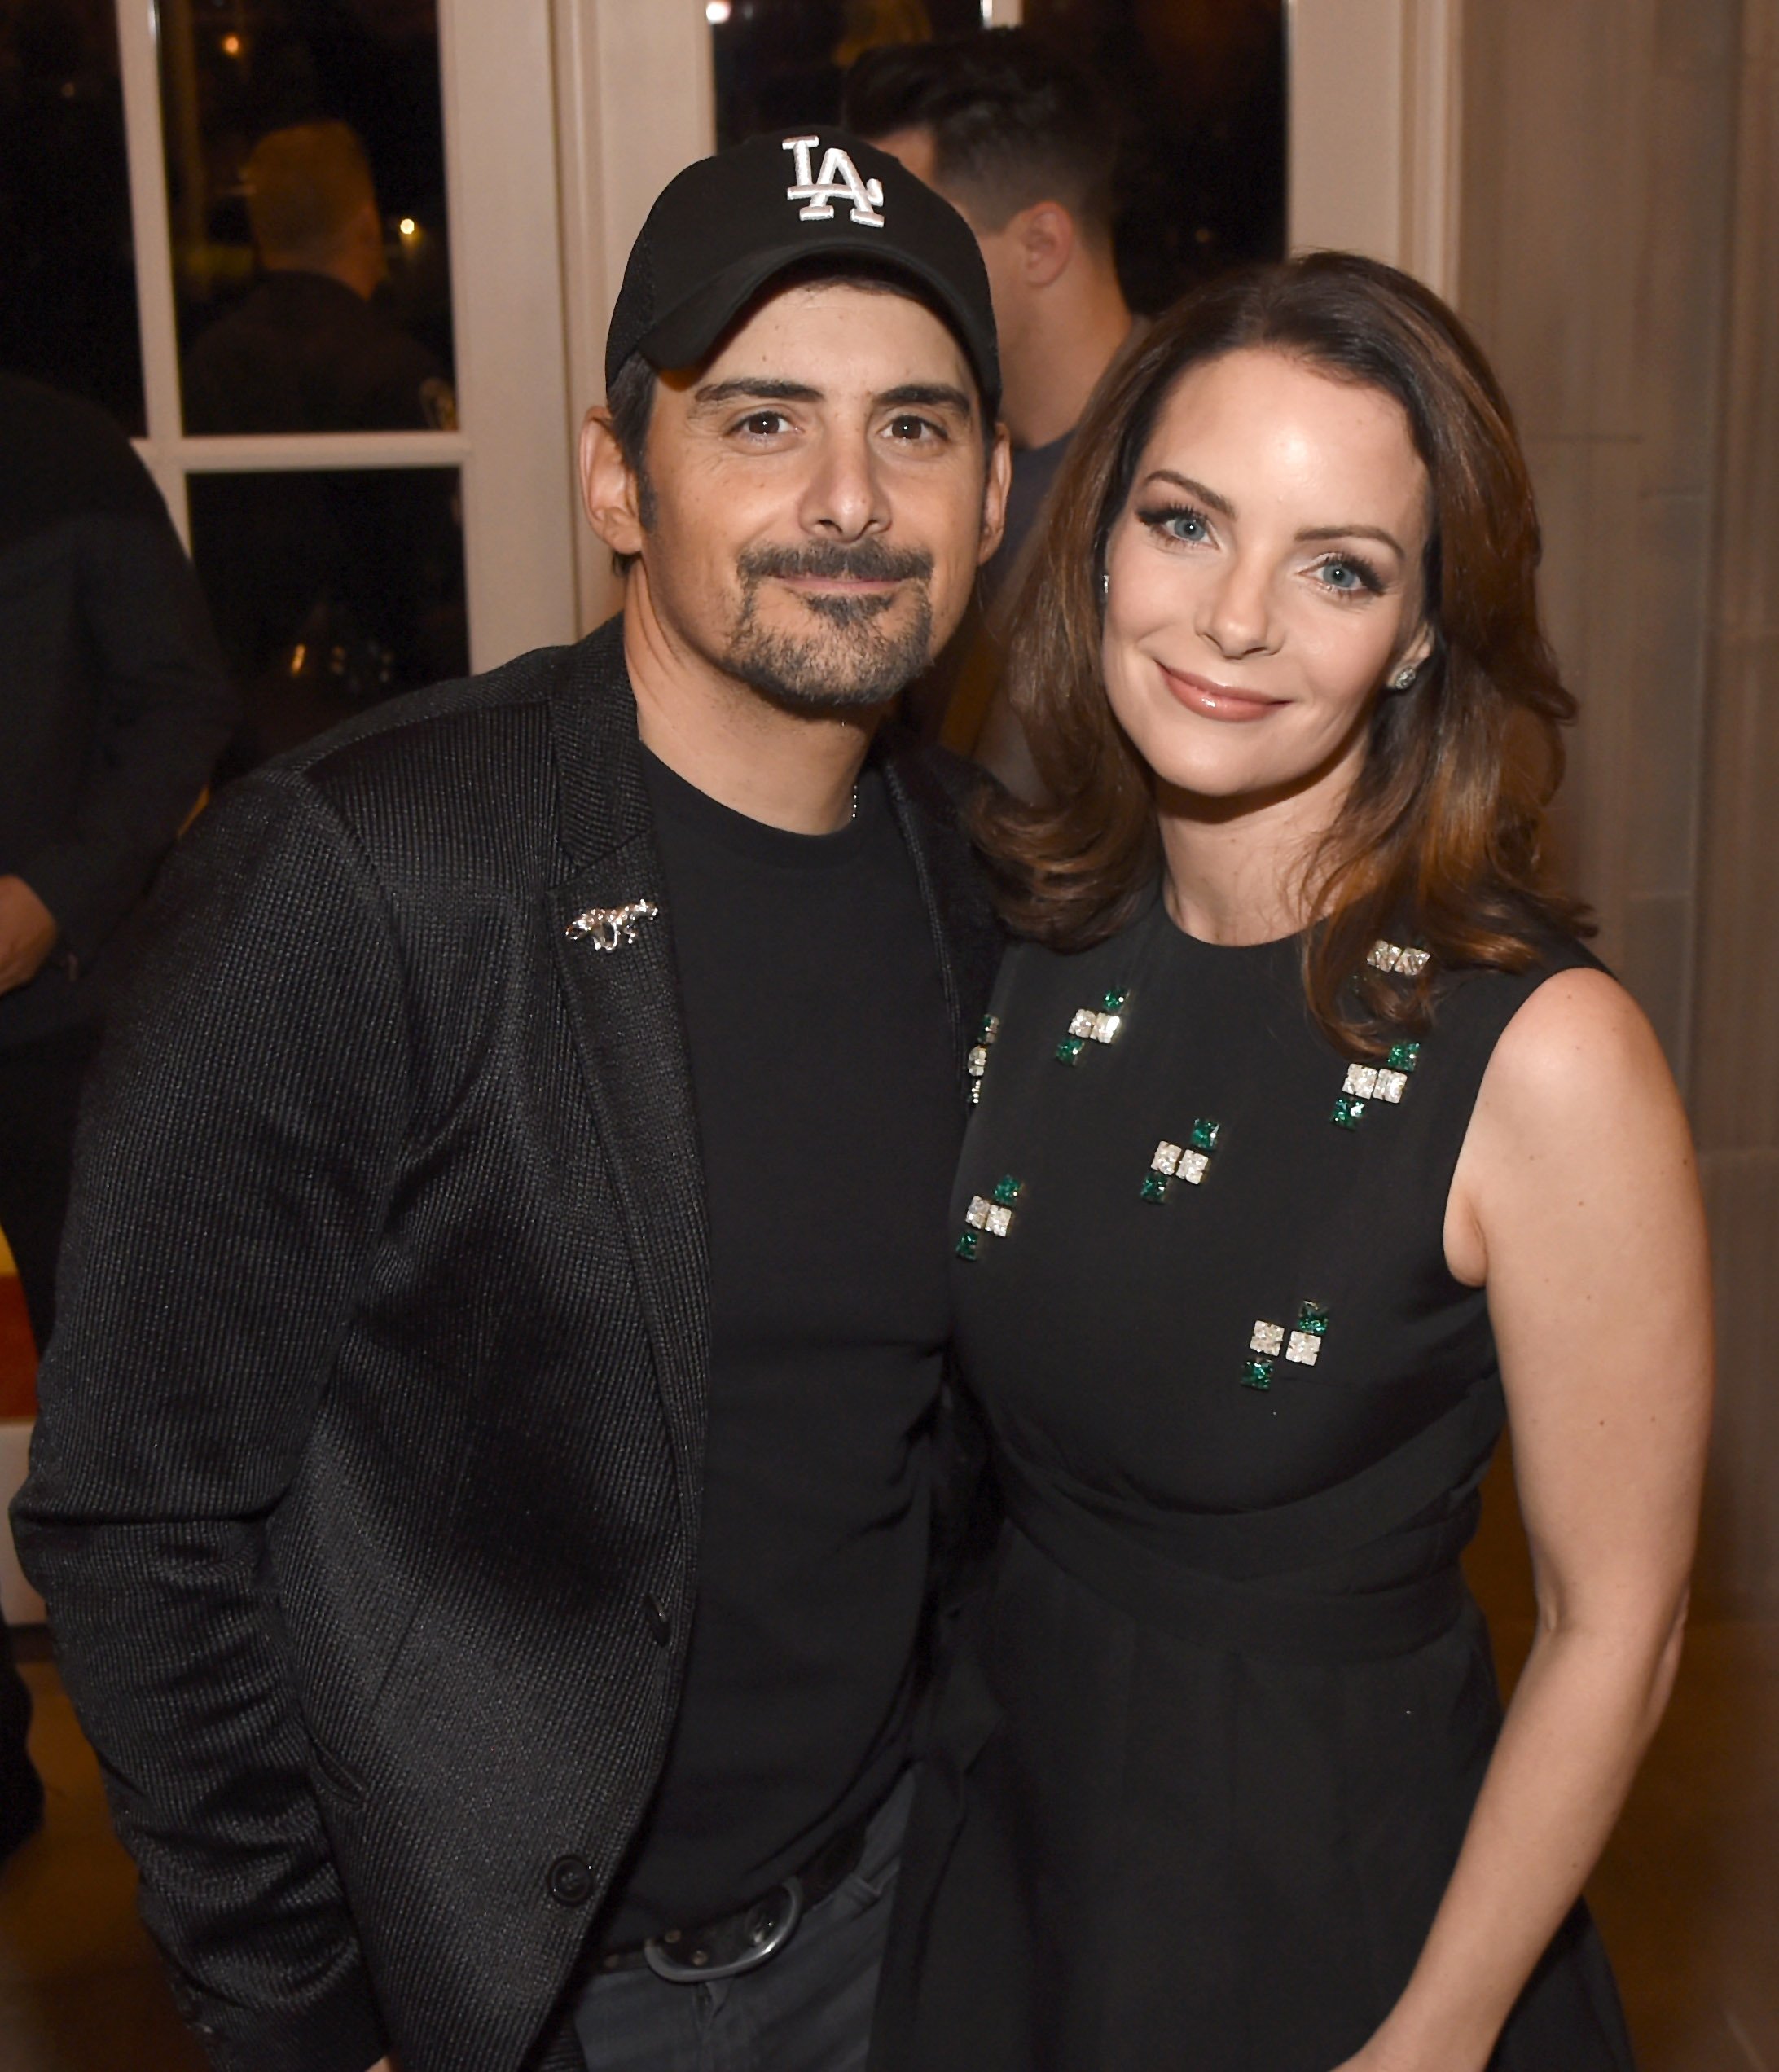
x=1355, y=532
x=1220, y=504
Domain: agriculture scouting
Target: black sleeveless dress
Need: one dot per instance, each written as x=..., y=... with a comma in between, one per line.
x=1206, y=1753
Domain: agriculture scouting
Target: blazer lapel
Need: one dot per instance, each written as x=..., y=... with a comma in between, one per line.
x=613, y=937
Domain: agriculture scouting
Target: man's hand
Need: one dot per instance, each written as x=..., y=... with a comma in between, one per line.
x=27, y=934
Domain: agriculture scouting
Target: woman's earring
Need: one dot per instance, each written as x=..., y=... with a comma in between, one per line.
x=1105, y=586
x=1404, y=679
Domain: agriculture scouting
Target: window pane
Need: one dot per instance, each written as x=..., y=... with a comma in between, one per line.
x=305, y=179
x=330, y=591
x=1198, y=87
x=67, y=283
x=779, y=62
x=1201, y=86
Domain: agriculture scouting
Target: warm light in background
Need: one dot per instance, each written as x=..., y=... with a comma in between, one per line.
x=232, y=46
x=408, y=227
x=716, y=11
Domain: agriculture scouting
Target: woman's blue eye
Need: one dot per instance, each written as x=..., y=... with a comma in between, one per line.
x=1187, y=525
x=1347, y=578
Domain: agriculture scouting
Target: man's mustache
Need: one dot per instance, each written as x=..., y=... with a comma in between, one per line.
x=869, y=561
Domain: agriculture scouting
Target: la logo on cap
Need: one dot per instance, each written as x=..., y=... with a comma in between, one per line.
x=838, y=181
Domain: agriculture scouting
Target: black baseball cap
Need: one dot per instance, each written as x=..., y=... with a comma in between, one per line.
x=724, y=227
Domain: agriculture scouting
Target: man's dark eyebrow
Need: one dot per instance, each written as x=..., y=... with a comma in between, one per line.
x=1225, y=508
x=932, y=395
x=757, y=387
x=747, y=388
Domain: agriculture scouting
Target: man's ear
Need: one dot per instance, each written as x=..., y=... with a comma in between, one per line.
x=1000, y=478
x=607, y=485
x=1044, y=236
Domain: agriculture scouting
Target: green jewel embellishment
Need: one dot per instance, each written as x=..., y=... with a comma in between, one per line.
x=1303, y=1347
x=1189, y=1162
x=978, y=1058
x=1098, y=1025
x=1388, y=1081
x=991, y=1213
x=1305, y=1344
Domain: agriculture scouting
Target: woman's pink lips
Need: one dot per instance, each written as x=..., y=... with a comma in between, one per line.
x=1198, y=694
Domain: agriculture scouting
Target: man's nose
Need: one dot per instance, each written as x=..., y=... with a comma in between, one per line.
x=844, y=497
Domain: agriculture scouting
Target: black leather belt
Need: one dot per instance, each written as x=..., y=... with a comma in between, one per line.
x=753, y=1935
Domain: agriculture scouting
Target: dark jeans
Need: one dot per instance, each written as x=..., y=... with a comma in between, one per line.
x=807, y=2009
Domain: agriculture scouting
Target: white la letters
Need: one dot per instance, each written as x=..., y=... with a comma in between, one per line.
x=838, y=181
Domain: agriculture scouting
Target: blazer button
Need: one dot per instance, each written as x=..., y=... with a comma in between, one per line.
x=571, y=1881
x=660, y=1627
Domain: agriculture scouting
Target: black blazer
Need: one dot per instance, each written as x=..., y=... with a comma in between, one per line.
x=365, y=1492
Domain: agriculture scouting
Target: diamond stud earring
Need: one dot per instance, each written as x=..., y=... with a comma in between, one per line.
x=1404, y=679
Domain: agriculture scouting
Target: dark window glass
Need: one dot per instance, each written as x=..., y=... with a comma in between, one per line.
x=306, y=178
x=68, y=281
x=330, y=591
x=1198, y=87
x=1201, y=87
x=779, y=62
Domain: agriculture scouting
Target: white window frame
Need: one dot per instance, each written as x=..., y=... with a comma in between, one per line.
x=496, y=78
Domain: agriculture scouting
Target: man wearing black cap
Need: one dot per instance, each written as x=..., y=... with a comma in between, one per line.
x=483, y=1485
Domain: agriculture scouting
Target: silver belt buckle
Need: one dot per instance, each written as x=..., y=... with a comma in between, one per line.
x=767, y=1939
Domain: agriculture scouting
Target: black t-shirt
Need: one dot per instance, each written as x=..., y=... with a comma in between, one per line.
x=829, y=1119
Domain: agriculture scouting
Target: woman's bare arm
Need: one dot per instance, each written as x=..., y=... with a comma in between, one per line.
x=1576, y=1204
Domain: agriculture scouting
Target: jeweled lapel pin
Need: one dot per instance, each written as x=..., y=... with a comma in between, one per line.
x=613, y=928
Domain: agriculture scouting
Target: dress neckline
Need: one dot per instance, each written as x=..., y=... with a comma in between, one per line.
x=1156, y=921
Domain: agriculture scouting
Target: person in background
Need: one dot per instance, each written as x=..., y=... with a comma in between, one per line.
x=483, y=1488
x=113, y=706
x=309, y=350
x=330, y=591
x=1017, y=140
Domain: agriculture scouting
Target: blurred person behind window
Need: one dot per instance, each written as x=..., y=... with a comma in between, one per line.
x=330, y=591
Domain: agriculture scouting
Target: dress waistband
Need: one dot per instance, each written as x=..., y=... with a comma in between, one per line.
x=1247, y=1583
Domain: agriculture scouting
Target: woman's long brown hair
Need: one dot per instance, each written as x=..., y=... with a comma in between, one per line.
x=1441, y=842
